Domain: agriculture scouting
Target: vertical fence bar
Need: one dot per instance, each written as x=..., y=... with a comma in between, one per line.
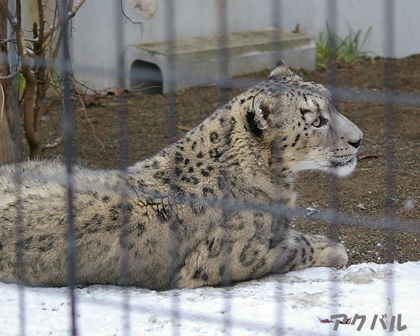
x=19, y=243
x=171, y=124
x=223, y=50
x=19, y=219
x=68, y=153
x=7, y=96
x=332, y=80
x=170, y=33
x=8, y=100
x=222, y=82
x=389, y=138
x=275, y=18
x=122, y=162
x=19, y=266
x=277, y=55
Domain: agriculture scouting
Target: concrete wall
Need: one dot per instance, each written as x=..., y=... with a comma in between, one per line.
x=94, y=42
x=199, y=18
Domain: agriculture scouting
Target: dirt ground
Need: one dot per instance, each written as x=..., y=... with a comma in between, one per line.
x=362, y=194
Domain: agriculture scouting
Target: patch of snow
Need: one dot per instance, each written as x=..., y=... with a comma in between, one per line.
x=291, y=304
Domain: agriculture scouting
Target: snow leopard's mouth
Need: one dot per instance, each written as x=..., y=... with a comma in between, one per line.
x=336, y=164
x=343, y=168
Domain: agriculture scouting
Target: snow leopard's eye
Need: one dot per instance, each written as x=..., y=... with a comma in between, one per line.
x=320, y=121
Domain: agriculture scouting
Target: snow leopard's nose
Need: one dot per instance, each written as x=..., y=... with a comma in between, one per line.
x=355, y=144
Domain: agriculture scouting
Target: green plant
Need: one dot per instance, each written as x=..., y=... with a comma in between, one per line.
x=332, y=48
x=19, y=85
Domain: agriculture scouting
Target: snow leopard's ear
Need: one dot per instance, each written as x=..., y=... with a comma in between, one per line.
x=259, y=114
x=281, y=71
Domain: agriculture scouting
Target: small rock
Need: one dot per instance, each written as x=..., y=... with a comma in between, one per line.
x=361, y=206
x=310, y=211
x=409, y=204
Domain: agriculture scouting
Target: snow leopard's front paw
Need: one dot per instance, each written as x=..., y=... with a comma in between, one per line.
x=331, y=255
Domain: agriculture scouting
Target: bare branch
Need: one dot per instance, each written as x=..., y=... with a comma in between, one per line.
x=56, y=86
x=19, y=14
x=25, y=69
x=41, y=21
x=6, y=41
x=50, y=38
x=35, y=31
x=30, y=90
x=23, y=53
x=86, y=115
x=14, y=40
x=86, y=87
x=73, y=95
x=53, y=57
x=87, y=118
x=11, y=76
x=70, y=5
x=70, y=14
x=4, y=9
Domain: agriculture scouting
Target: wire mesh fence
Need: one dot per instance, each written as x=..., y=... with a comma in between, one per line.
x=228, y=205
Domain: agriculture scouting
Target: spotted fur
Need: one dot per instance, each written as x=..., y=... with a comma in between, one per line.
x=196, y=213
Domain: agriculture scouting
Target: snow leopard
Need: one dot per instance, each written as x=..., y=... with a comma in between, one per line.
x=211, y=209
